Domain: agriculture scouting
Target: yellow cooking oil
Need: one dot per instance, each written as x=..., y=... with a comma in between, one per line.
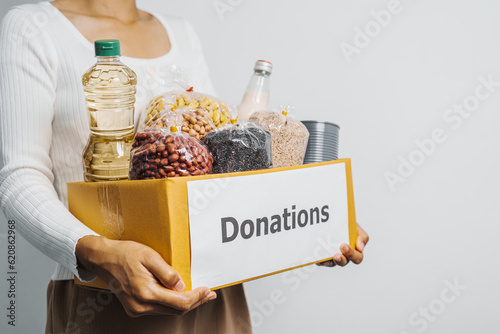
x=109, y=88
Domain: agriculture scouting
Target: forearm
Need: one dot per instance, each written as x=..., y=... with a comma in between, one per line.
x=28, y=197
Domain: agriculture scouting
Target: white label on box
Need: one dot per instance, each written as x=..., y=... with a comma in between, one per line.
x=247, y=226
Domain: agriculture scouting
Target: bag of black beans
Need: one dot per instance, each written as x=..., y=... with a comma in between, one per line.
x=239, y=147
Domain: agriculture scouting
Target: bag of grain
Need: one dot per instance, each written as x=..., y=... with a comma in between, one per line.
x=289, y=137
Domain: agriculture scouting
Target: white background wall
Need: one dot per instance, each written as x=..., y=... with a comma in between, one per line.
x=437, y=228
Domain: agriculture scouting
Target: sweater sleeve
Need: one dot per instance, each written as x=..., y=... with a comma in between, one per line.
x=27, y=94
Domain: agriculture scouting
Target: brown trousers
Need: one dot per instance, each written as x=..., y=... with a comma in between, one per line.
x=73, y=309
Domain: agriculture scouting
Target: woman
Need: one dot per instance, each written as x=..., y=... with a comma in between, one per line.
x=44, y=50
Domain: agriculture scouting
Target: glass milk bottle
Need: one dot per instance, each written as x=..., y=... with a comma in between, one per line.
x=257, y=94
x=109, y=88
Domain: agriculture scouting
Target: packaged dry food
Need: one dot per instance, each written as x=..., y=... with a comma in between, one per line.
x=289, y=137
x=195, y=122
x=164, y=119
x=159, y=153
x=217, y=110
x=239, y=147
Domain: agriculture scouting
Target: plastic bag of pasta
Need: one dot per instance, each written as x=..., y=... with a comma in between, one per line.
x=216, y=109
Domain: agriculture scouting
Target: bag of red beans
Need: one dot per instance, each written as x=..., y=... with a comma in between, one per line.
x=159, y=153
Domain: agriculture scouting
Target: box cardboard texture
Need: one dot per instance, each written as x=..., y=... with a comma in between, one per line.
x=155, y=213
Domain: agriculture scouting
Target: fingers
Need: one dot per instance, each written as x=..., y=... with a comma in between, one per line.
x=204, y=295
x=183, y=301
x=360, y=245
x=167, y=275
x=337, y=260
x=350, y=254
x=170, y=292
x=340, y=260
x=157, y=300
x=362, y=239
x=329, y=263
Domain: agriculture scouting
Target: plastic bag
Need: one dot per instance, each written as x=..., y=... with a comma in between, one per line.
x=216, y=109
x=289, y=137
x=158, y=153
x=196, y=123
x=239, y=147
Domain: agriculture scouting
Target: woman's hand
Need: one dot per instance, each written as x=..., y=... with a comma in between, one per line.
x=348, y=253
x=139, y=277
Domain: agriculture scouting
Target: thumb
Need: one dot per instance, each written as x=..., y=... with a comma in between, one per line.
x=167, y=275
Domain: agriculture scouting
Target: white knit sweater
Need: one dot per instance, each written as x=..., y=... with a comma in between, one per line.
x=44, y=121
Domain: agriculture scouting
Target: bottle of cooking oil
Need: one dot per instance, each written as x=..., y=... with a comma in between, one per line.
x=109, y=88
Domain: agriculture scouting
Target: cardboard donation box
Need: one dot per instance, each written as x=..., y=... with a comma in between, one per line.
x=223, y=229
